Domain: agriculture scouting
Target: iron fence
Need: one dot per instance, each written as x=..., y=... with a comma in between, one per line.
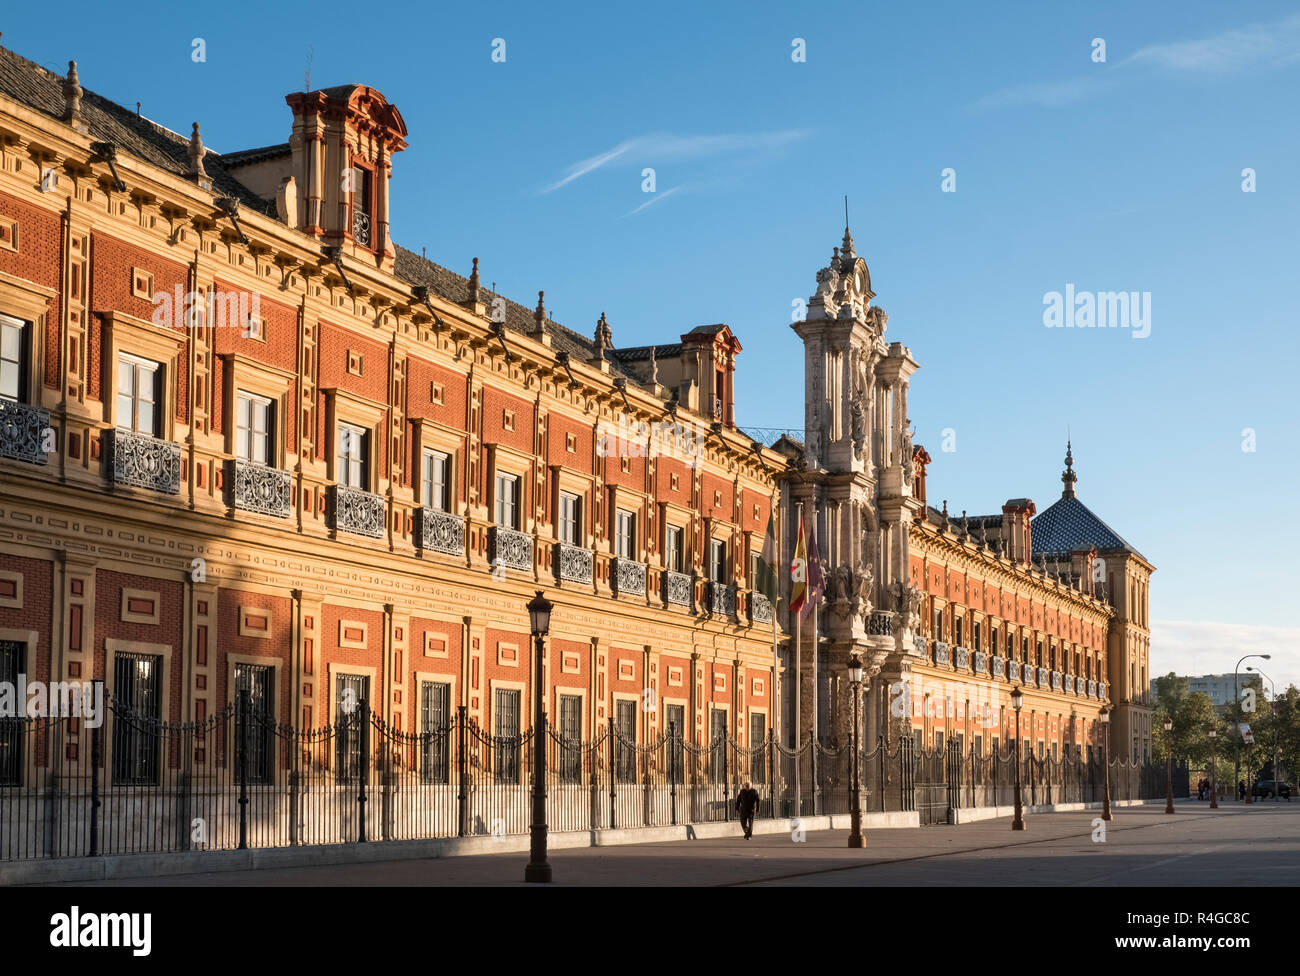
x=238, y=779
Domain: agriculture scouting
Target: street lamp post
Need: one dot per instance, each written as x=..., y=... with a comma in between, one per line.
x=855, y=821
x=1017, y=699
x=1213, y=733
x=1169, y=765
x=1272, y=711
x=539, y=869
x=1104, y=717
x=1236, y=708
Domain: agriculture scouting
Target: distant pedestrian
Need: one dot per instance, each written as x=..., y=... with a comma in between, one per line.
x=1241, y=789
x=747, y=804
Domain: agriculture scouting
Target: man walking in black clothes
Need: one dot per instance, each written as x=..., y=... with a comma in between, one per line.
x=747, y=803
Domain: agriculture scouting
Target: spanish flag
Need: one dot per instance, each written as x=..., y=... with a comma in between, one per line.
x=799, y=573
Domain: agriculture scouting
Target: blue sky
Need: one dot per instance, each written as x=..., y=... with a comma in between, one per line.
x=1123, y=175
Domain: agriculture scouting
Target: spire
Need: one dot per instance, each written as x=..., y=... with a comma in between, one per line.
x=1068, y=477
x=847, y=248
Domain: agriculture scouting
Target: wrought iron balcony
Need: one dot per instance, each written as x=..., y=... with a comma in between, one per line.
x=981, y=662
x=760, y=609
x=722, y=599
x=920, y=646
x=356, y=511
x=999, y=666
x=1013, y=670
x=1042, y=677
x=573, y=563
x=961, y=658
x=629, y=577
x=879, y=623
x=442, y=532
x=1027, y=674
x=1092, y=687
x=361, y=227
x=258, y=488
x=940, y=652
x=1056, y=681
x=146, y=462
x=22, y=431
x=677, y=589
x=510, y=548
x=1068, y=681
x=1101, y=690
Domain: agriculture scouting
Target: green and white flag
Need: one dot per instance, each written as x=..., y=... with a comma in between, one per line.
x=766, y=582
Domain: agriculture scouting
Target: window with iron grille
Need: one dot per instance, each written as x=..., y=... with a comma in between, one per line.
x=435, y=731
x=673, y=548
x=138, y=391
x=13, y=359
x=505, y=726
x=570, y=739
x=570, y=518
x=13, y=657
x=135, y=745
x=435, y=481
x=254, y=438
x=625, y=744
x=258, y=681
x=757, y=738
x=718, y=744
x=350, y=691
x=676, y=716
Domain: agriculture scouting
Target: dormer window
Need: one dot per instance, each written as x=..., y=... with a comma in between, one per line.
x=361, y=208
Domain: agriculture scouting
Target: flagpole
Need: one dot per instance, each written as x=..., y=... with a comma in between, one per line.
x=816, y=646
x=798, y=691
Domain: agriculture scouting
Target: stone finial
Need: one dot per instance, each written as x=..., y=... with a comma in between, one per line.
x=72, y=93
x=196, y=154
x=654, y=367
x=604, y=336
x=474, y=283
x=846, y=246
x=286, y=201
x=1068, y=477
x=539, y=314
x=945, y=515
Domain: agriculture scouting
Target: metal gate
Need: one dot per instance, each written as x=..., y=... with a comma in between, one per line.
x=931, y=786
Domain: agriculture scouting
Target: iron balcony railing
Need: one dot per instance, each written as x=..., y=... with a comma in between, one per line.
x=1068, y=681
x=361, y=227
x=999, y=666
x=1056, y=680
x=1092, y=687
x=760, y=609
x=145, y=462
x=960, y=658
x=677, y=589
x=1028, y=674
x=573, y=563
x=628, y=576
x=355, y=511
x=722, y=599
x=920, y=646
x=1042, y=677
x=510, y=549
x=1013, y=670
x=940, y=652
x=442, y=532
x=981, y=662
x=258, y=488
x=22, y=432
x=879, y=623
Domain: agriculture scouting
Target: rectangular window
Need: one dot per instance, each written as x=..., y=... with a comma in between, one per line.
x=956, y=623
x=676, y=731
x=625, y=743
x=505, y=726
x=353, y=456
x=978, y=646
x=570, y=739
x=138, y=391
x=258, y=681
x=136, y=679
x=13, y=657
x=350, y=690
x=673, y=548
x=624, y=534
x=435, y=731
x=13, y=359
x=717, y=561
x=435, y=481
x=253, y=432
x=507, y=501
x=938, y=625
x=757, y=740
x=718, y=744
x=570, y=518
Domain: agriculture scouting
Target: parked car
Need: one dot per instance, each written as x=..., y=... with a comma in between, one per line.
x=1267, y=788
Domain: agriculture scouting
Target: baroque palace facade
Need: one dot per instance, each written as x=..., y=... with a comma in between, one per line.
x=947, y=614
x=247, y=442
x=250, y=443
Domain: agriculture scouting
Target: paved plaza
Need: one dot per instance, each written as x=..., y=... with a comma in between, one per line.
x=1236, y=845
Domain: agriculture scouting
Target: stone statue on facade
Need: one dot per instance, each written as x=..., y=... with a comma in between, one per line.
x=858, y=425
x=863, y=577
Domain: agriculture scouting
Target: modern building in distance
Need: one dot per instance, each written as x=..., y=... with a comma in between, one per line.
x=1220, y=688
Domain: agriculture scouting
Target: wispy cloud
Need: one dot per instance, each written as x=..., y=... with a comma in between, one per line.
x=1238, y=49
x=656, y=148
x=654, y=198
x=1205, y=647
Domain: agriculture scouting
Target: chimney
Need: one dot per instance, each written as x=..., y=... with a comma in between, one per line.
x=1016, y=514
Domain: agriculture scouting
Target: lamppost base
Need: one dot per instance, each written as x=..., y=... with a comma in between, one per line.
x=1018, y=825
x=538, y=872
x=1169, y=808
x=857, y=840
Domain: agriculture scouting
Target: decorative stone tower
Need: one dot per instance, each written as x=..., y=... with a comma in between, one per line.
x=855, y=480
